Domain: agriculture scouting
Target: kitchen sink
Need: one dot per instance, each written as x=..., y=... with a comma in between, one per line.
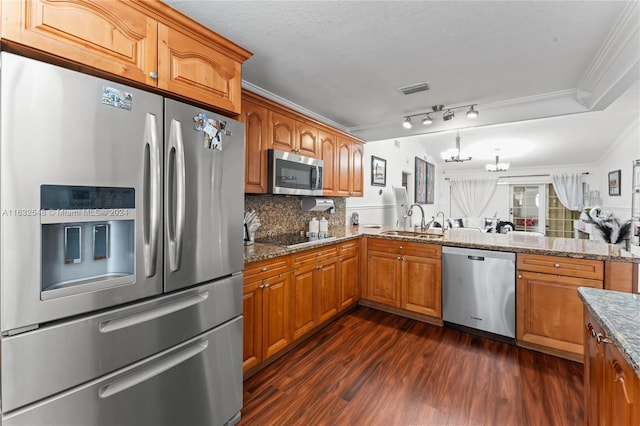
x=412, y=234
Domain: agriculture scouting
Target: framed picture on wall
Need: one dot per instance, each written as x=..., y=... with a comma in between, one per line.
x=425, y=182
x=614, y=182
x=378, y=171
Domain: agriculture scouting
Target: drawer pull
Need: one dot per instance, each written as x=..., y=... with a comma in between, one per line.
x=557, y=265
x=264, y=269
x=318, y=254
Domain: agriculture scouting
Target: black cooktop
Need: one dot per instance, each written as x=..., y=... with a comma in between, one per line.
x=290, y=240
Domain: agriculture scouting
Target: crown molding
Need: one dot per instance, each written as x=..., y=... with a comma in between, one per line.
x=291, y=105
x=616, y=65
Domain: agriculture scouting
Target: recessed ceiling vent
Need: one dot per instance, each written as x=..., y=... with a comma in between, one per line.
x=414, y=88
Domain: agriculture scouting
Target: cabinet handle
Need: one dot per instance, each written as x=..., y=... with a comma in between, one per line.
x=401, y=247
x=519, y=276
x=318, y=254
x=399, y=258
x=319, y=267
x=601, y=339
x=261, y=286
x=264, y=269
x=557, y=265
x=153, y=75
x=266, y=286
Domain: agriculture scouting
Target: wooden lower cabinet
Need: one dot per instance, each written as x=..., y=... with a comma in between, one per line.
x=315, y=295
x=405, y=275
x=266, y=318
x=549, y=310
x=611, y=386
x=349, y=273
x=421, y=285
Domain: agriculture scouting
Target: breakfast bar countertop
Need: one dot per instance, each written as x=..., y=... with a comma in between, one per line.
x=518, y=243
x=619, y=315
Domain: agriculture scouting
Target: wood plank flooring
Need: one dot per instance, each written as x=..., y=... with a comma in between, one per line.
x=374, y=368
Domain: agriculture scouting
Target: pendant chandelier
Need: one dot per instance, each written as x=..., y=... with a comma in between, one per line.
x=453, y=155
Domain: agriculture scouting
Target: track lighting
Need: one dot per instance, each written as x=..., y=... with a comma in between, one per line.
x=453, y=155
x=447, y=115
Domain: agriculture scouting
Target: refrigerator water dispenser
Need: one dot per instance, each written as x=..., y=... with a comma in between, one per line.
x=88, y=239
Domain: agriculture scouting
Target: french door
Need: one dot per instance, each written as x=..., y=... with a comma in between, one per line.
x=528, y=207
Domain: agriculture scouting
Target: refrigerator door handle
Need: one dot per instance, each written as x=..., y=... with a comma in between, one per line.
x=151, y=314
x=177, y=154
x=152, y=370
x=152, y=183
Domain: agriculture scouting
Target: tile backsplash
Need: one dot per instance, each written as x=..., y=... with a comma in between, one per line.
x=281, y=214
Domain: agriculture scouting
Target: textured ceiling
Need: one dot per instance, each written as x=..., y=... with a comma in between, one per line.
x=344, y=61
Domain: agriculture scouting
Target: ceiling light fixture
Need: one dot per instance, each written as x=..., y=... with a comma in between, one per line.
x=497, y=167
x=472, y=113
x=447, y=115
x=453, y=155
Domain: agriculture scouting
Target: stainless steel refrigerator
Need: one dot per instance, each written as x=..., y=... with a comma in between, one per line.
x=121, y=254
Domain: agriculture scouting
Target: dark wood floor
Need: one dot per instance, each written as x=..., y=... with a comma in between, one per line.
x=374, y=368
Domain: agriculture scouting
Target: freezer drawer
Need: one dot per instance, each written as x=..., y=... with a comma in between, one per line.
x=198, y=382
x=47, y=361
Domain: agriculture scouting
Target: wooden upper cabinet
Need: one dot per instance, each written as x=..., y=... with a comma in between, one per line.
x=140, y=40
x=357, y=161
x=349, y=168
x=188, y=66
x=111, y=36
x=343, y=168
x=256, y=122
x=328, y=148
x=307, y=140
x=282, y=131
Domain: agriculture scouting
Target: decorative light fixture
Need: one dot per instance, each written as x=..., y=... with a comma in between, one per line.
x=497, y=167
x=447, y=115
x=453, y=155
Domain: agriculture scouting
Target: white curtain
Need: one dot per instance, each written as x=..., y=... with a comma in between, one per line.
x=569, y=190
x=473, y=195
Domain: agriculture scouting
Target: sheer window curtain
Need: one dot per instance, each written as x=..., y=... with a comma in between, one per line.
x=473, y=195
x=568, y=188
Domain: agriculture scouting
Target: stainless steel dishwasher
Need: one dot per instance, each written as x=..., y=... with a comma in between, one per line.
x=479, y=290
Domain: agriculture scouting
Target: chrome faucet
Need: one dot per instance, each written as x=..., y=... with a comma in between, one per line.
x=443, y=224
x=423, y=225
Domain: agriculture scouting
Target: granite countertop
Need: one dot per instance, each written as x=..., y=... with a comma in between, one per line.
x=619, y=315
x=577, y=248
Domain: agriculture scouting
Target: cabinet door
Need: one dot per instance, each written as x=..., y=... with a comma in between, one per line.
x=349, y=286
x=343, y=168
x=282, y=130
x=594, y=379
x=307, y=140
x=550, y=311
x=328, y=292
x=328, y=150
x=189, y=67
x=110, y=36
x=303, y=318
x=277, y=323
x=383, y=278
x=422, y=285
x=256, y=132
x=622, y=391
x=252, y=313
x=357, y=180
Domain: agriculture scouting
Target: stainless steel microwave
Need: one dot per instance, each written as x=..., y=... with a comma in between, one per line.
x=294, y=174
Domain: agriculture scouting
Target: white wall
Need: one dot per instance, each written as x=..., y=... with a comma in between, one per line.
x=620, y=156
x=377, y=205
